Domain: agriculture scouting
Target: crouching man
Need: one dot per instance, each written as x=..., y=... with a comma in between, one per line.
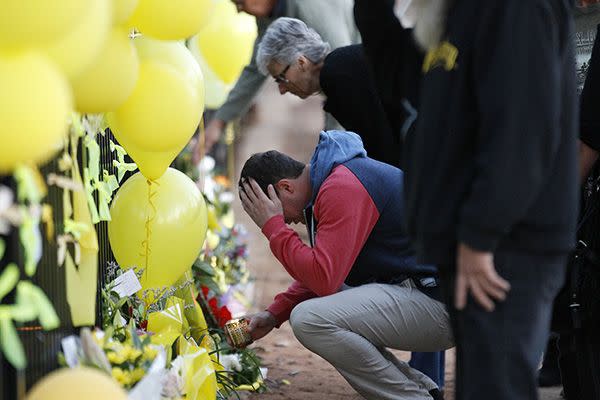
x=357, y=288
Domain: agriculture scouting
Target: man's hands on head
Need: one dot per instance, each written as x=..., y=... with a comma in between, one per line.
x=257, y=204
x=476, y=273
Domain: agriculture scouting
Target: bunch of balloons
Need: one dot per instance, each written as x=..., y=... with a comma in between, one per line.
x=80, y=55
x=127, y=59
x=222, y=48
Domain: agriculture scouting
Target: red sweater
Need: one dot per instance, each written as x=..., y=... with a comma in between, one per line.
x=346, y=214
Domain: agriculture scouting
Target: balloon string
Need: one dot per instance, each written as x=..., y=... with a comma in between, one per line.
x=202, y=139
x=149, y=218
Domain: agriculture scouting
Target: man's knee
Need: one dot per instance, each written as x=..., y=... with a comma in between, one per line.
x=305, y=323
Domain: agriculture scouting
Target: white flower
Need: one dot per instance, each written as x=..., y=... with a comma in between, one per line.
x=173, y=382
x=6, y=201
x=206, y=165
x=172, y=385
x=231, y=362
x=209, y=189
x=226, y=197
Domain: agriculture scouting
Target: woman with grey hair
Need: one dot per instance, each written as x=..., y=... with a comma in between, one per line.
x=290, y=42
x=332, y=19
x=301, y=63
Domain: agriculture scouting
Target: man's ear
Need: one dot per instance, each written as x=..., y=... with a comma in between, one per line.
x=284, y=186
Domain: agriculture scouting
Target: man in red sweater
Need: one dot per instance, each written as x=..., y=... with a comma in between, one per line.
x=357, y=288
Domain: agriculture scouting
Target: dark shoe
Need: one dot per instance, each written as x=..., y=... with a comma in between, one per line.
x=436, y=394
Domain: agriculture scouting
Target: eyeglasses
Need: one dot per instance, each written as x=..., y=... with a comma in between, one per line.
x=281, y=77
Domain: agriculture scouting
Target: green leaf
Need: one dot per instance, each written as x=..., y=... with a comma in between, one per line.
x=134, y=336
x=109, y=332
x=204, y=267
x=117, y=320
x=11, y=344
x=8, y=279
x=2, y=248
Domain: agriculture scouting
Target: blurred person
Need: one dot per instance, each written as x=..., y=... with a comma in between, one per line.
x=332, y=19
x=395, y=62
x=302, y=63
x=577, y=308
x=357, y=289
x=491, y=184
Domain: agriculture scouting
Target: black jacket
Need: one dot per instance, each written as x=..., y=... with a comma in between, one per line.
x=590, y=100
x=353, y=100
x=394, y=59
x=492, y=161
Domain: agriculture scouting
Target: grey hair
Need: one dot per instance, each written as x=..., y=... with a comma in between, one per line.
x=285, y=40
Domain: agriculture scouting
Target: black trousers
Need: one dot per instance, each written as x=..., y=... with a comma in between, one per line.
x=579, y=362
x=498, y=352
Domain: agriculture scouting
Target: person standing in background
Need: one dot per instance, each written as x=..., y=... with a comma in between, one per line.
x=332, y=19
x=302, y=63
x=491, y=180
x=395, y=62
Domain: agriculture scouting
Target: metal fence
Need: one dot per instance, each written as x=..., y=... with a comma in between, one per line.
x=42, y=347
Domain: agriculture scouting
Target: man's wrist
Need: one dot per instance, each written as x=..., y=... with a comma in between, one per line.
x=272, y=225
x=272, y=320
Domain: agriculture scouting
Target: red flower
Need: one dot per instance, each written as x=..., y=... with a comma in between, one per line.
x=205, y=291
x=144, y=325
x=223, y=316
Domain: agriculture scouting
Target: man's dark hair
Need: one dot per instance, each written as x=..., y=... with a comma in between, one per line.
x=270, y=167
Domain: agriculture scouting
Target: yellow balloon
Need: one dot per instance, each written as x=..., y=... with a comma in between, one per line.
x=110, y=79
x=175, y=55
x=35, y=104
x=216, y=90
x=152, y=164
x=227, y=41
x=167, y=103
x=122, y=10
x=174, y=220
x=172, y=19
x=36, y=22
x=77, y=384
x=76, y=50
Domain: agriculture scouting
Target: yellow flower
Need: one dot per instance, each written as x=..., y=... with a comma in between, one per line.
x=123, y=377
x=131, y=353
x=116, y=358
x=150, y=352
x=137, y=374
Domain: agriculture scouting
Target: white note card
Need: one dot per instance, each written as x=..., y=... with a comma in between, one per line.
x=127, y=284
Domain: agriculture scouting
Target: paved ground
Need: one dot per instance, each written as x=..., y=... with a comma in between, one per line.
x=287, y=124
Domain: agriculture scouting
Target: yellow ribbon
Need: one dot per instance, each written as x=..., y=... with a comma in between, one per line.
x=148, y=225
x=120, y=164
x=30, y=303
x=89, y=194
x=31, y=240
x=61, y=254
x=105, y=189
x=79, y=216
